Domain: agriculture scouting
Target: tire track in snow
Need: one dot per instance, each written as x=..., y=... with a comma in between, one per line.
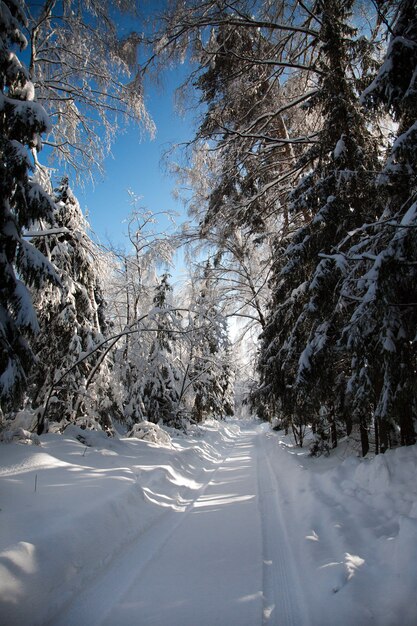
x=282, y=593
x=210, y=571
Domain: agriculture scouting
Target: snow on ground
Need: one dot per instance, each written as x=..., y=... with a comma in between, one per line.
x=230, y=524
x=352, y=525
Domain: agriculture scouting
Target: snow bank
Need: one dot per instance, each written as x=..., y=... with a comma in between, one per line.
x=78, y=502
x=353, y=528
x=151, y=432
x=72, y=504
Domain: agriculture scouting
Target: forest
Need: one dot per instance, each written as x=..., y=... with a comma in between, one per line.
x=235, y=447
x=302, y=218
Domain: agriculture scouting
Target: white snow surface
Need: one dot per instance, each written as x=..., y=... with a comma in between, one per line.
x=340, y=149
x=228, y=525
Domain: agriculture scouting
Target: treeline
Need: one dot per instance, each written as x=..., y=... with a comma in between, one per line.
x=89, y=336
x=308, y=139
x=303, y=170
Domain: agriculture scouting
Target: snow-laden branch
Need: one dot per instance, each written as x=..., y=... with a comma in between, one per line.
x=112, y=341
x=47, y=231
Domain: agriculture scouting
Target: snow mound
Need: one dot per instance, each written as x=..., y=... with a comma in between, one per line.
x=89, y=437
x=19, y=429
x=152, y=433
x=352, y=524
x=19, y=435
x=23, y=419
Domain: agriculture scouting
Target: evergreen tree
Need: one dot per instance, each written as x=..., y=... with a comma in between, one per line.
x=211, y=371
x=302, y=365
x=227, y=383
x=160, y=384
x=381, y=332
x=246, y=57
x=22, y=202
x=72, y=321
x=237, y=90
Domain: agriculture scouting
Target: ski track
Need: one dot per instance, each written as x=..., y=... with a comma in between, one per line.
x=225, y=560
x=283, y=601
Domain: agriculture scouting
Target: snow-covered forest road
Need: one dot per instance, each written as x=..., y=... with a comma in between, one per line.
x=229, y=525
x=223, y=560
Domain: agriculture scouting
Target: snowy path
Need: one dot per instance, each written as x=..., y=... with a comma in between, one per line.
x=284, y=604
x=216, y=563
x=231, y=525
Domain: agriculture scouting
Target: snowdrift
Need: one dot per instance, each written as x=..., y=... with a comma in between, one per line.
x=78, y=502
x=68, y=507
x=353, y=527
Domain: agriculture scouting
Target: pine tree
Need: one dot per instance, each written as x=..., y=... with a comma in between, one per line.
x=22, y=202
x=72, y=321
x=381, y=331
x=302, y=365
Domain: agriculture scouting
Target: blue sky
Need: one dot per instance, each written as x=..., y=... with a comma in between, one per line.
x=136, y=165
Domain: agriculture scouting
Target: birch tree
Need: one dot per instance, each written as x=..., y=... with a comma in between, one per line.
x=87, y=76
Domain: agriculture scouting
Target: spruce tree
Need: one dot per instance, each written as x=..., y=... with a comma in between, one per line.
x=302, y=365
x=22, y=203
x=237, y=91
x=160, y=383
x=381, y=332
x=72, y=321
x=211, y=371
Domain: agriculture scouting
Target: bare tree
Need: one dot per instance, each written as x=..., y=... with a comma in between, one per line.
x=86, y=74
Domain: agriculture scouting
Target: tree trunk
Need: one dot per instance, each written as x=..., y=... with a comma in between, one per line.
x=408, y=435
x=383, y=436
x=364, y=437
x=294, y=431
x=333, y=429
x=348, y=425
